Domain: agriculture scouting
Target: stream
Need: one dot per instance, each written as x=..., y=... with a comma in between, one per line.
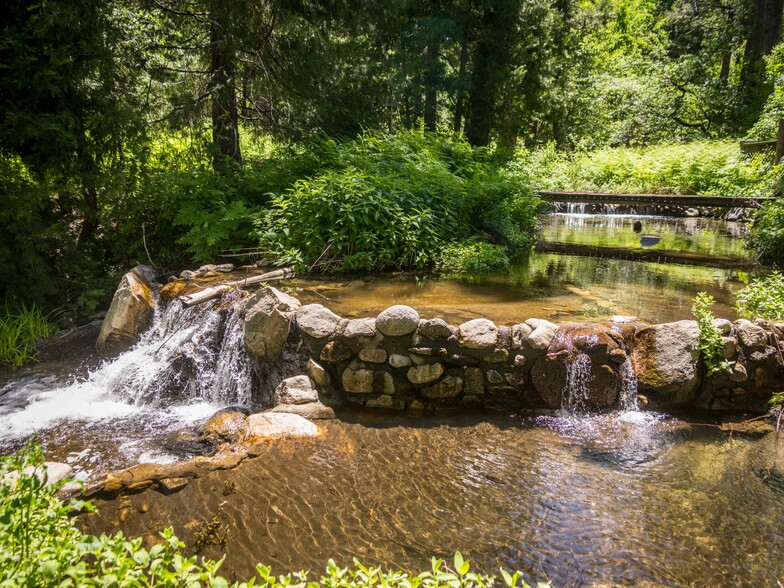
x=624, y=498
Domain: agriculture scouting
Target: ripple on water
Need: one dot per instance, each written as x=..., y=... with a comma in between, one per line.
x=677, y=505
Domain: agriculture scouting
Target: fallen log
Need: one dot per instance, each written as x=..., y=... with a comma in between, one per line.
x=215, y=291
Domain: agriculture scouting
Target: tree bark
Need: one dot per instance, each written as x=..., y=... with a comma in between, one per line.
x=764, y=33
x=225, y=116
x=431, y=94
x=457, y=123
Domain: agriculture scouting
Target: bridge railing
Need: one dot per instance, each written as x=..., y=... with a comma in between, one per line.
x=772, y=150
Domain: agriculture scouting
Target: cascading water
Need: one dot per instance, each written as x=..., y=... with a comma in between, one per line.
x=627, y=397
x=578, y=379
x=187, y=365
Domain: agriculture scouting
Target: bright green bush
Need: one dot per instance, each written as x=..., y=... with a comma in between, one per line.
x=20, y=332
x=40, y=546
x=763, y=298
x=472, y=258
x=710, y=341
x=393, y=201
x=712, y=168
x=767, y=231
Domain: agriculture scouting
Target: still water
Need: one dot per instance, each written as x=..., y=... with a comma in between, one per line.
x=620, y=499
x=591, y=286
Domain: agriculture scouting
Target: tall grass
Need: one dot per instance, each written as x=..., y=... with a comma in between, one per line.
x=709, y=167
x=20, y=331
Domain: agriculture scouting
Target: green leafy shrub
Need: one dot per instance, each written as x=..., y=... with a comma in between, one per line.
x=472, y=258
x=41, y=546
x=19, y=334
x=385, y=201
x=710, y=341
x=763, y=298
x=767, y=231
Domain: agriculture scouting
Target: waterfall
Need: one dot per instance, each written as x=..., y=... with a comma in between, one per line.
x=627, y=397
x=578, y=378
x=188, y=364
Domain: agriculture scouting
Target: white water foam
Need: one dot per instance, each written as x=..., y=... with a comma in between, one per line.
x=190, y=363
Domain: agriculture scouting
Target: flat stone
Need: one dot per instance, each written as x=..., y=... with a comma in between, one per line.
x=460, y=359
x=474, y=382
x=519, y=361
x=429, y=351
x=398, y=320
x=423, y=374
x=318, y=374
x=364, y=327
x=316, y=320
x=497, y=356
x=296, y=390
x=514, y=379
x=478, y=334
x=210, y=267
x=620, y=319
x=373, y=355
x=172, y=485
x=358, y=379
x=224, y=267
x=520, y=334
x=312, y=410
x=49, y=473
x=272, y=425
x=494, y=377
x=335, y=352
x=188, y=275
x=397, y=360
x=449, y=387
x=434, y=329
x=542, y=334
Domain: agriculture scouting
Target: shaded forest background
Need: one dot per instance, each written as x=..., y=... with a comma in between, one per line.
x=173, y=129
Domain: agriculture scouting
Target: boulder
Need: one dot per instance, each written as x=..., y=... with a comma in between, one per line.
x=449, y=387
x=397, y=320
x=130, y=313
x=267, y=324
x=316, y=320
x=357, y=378
x=318, y=374
x=542, y=333
x=520, y=334
x=277, y=424
x=49, y=473
x=373, y=355
x=665, y=359
x=224, y=425
x=478, y=334
x=296, y=390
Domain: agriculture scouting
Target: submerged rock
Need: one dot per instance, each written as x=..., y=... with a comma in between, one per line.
x=130, y=313
x=277, y=424
x=312, y=410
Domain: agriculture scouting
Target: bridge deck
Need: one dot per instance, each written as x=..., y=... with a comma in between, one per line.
x=688, y=201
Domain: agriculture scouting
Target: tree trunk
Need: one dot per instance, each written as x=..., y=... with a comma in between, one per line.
x=88, y=173
x=225, y=117
x=457, y=123
x=764, y=33
x=726, y=61
x=431, y=95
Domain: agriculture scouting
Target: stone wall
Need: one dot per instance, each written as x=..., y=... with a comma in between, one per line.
x=400, y=360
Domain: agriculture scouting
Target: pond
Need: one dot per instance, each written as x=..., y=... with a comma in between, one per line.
x=580, y=282
x=620, y=499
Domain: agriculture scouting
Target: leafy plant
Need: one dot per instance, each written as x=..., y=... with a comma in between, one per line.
x=19, y=334
x=710, y=342
x=763, y=298
x=41, y=546
x=472, y=258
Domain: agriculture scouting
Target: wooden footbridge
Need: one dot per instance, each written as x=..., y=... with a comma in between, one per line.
x=685, y=201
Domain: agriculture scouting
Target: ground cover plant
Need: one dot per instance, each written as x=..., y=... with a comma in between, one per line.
x=20, y=332
x=41, y=546
x=711, y=344
x=763, y=298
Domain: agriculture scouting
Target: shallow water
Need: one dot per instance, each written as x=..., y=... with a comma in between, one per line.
x=619, y=499
x=564, y=287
